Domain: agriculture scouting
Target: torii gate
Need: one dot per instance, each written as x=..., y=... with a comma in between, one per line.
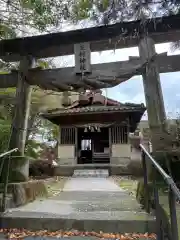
x=126, y=34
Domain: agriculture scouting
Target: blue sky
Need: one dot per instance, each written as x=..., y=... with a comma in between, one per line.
x=132, y=90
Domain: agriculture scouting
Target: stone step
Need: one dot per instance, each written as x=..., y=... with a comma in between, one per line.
x=114, y=169
x=91, y=173
x=85, y=204
x=105, y=221
x=83, y=211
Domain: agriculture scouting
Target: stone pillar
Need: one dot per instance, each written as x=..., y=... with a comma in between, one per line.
x=152, y=90
x=22, y=108
x=21, y=116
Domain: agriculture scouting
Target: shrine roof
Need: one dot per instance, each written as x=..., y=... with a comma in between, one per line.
x=93, y=109
x=94, y=102
x=93, y=98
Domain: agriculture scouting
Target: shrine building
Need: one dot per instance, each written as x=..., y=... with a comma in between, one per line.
x=95, y=129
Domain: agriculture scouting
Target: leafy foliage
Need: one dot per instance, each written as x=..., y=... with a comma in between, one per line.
x=37, y=127
x=32, y=148
x=105, y=11
x=25, y=16
x=22, y=15
x=5, y=127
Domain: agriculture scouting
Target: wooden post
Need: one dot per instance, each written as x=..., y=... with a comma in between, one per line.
x=152, y=89
x=76, y=145
x=110, y=142
x=21, y=111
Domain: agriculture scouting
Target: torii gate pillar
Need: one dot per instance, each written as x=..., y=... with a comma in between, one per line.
x=152, y=91
x=21, y=115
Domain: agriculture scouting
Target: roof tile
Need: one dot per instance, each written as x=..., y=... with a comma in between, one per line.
x=96, y=109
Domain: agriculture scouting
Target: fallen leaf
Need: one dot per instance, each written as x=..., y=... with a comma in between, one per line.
x=21, y=234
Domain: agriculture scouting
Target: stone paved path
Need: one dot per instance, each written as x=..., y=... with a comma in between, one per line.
x=91, y=184
x=91, y=204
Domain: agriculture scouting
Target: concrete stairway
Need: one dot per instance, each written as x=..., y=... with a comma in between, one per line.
x=86, y=204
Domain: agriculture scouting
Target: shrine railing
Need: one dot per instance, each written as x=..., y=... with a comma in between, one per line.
x=161, y=196
x=6, y=178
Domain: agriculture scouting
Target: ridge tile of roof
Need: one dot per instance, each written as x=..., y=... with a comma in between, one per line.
x=97, y=97
x=95, y=108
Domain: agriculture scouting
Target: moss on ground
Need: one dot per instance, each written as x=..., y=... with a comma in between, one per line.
x=55, y=187
x=127, y=183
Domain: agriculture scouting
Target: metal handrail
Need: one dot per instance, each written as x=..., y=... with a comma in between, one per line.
x=5, y=154
x=167, y=178
x=173, y=196
x=3, y=206
x=8, y=152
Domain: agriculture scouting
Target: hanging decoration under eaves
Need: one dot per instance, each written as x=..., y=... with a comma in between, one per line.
x=94, y=125
x=94, y=128
x=101, y=125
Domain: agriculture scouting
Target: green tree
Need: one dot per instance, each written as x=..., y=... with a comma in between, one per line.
x=5, y=127
x=29, y=17
x=26, y=16
x=23, y=16
x=105, y=11
x=37, y=127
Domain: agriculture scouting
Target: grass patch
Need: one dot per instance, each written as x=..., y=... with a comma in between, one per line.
x=163, y=200
x=127, y=183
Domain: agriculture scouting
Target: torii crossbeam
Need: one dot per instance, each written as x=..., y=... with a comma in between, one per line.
x=103, y=75
x=119, y=35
